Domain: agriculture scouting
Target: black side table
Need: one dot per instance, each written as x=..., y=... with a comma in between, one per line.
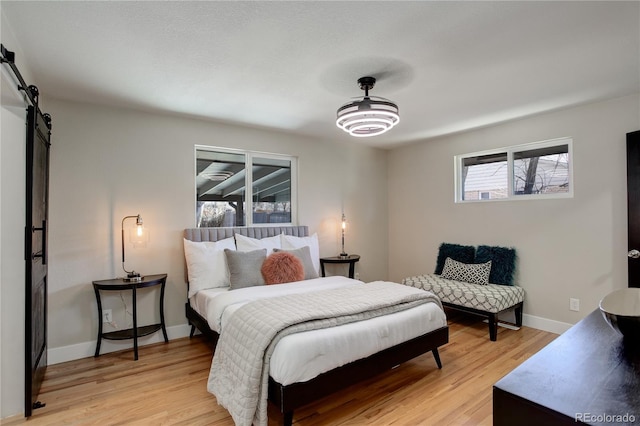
x=350, y=259
x=119, y=284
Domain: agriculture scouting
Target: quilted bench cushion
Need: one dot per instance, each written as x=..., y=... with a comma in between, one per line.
x=492, y=298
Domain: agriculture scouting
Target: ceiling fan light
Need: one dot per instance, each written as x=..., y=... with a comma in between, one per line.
x=372, y=120
x=369, y=116
x=355, y=117
x=365, y=129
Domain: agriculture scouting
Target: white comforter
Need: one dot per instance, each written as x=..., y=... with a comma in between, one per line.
x=241, y=363
x=303, y=356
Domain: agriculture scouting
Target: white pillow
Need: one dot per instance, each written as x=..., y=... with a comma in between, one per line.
x=250, y=244
x=290, y=242
x=207, y=264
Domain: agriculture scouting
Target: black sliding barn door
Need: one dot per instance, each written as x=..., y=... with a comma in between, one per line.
x=38, y=143
x=633, y=207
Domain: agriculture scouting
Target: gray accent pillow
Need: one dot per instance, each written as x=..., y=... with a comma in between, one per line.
x=244, y=267
x=304, y=254
x=475, y=273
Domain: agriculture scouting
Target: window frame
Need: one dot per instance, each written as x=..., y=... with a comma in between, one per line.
x=248, y=181
x=509, y=151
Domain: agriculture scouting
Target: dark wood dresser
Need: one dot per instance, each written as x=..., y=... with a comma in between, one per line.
x=587, y=375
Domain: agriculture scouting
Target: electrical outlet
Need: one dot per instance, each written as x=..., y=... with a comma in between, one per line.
x=574, y=304
x=107, y=315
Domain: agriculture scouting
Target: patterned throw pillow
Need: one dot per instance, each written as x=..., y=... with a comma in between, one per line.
x=475, y=273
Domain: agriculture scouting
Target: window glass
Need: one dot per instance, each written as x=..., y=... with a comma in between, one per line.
x=220, y=188
x=484, y=177
x=237, y=188
x=541, y=171
x=271, y=190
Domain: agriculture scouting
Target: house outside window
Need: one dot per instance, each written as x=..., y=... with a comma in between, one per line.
x=530, y=171
x=244, y=188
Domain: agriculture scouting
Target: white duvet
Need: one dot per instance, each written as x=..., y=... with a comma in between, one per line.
x=303, y=356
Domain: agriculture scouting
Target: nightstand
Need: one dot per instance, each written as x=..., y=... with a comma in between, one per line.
x=350, y=259
x=120, y=284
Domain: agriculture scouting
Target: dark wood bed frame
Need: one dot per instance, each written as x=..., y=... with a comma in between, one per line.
x=295, y=395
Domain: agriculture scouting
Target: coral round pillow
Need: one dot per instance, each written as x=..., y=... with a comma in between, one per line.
x=282, y=267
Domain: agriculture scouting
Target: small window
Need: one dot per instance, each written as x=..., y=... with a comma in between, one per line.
x=238, y=188
x=541, y=169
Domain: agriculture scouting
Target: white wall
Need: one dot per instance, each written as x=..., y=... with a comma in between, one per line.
x=567, y=248
x=12, y=222
x=107, y=163
x=12, y=294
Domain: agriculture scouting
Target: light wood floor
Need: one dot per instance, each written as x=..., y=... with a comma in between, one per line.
x=167, y=386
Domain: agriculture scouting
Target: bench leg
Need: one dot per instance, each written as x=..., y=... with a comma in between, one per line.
x=518, y=313
x=493, y=327
x=436, y=355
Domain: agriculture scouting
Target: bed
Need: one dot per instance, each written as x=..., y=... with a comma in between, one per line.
x=288, y=386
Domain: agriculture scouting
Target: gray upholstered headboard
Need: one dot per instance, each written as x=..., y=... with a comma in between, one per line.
x=259, y=232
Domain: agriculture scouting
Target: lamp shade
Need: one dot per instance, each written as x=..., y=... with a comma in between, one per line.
x=139, y=236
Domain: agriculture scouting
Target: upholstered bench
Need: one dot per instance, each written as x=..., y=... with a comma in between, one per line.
x=487, y=300
x=479, y=280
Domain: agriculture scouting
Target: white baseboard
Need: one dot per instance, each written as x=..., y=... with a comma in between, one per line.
x=538, y=323
x=545, y=324
x=88, y=349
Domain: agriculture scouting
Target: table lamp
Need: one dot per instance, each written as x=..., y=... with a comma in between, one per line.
x=139, y=236
x=343, y=254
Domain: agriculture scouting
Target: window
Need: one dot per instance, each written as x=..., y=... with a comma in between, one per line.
x=541, y=169
x=242, y=188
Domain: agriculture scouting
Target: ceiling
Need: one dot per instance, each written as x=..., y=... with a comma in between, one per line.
x=450, y=66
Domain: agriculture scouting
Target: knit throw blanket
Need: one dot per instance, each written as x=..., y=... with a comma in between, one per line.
x=240, y=368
